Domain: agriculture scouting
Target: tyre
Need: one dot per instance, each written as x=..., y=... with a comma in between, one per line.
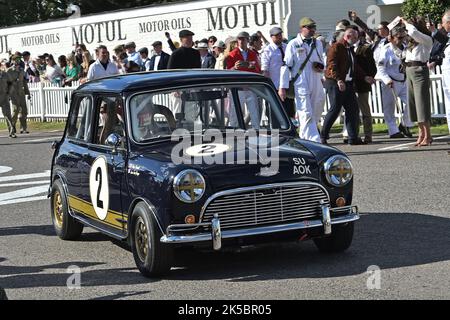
x=66, y=227
x=152, y=257
x=339, y=240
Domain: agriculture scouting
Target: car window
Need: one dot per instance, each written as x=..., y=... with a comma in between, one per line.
x=109, y=111
x=79, y=123
x=158, y=114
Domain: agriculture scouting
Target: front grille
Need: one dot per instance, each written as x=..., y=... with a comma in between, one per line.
x=267, y=206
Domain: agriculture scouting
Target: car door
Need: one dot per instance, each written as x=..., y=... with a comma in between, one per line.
x=76, y=145
x=104, y=169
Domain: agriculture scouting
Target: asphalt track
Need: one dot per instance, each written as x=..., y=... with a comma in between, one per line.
x=402, y=192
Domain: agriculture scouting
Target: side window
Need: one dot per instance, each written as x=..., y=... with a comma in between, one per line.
x=80, y=120
x=109, y=111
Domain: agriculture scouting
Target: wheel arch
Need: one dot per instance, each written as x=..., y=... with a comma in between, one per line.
x=152, y=209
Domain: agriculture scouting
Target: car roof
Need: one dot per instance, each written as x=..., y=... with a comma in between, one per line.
x=167, y=78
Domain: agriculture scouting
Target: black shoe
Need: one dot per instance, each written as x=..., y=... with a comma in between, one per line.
x=405, y=131
x=368, y=140
x=323, y=141
x=357, y=142
x=345, y=140
x=12, y=135
x=398, y=135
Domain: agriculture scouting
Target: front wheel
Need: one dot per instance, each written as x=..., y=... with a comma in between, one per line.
x=152, y=257
x=66, y=227
x=339, y=240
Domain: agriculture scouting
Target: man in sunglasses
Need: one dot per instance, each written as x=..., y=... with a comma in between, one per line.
x=304, y=64
x=392, y=74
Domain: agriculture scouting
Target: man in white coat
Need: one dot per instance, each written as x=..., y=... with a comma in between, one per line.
x=304, y=56
x=103, y=67
x=393, y=79
x=446, y=66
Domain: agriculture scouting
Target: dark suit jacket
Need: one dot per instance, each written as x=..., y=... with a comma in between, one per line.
x=338, y=64
x=365, y=60
x=209, y=63
x=163, y=62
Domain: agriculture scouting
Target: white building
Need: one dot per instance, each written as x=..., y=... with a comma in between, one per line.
x=205, y=18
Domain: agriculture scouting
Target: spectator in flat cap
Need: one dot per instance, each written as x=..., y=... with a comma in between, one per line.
x=219, y=51
x=304, y=65
x=145, y=59
x=185, y=57
x=134, y=56
x=160, y=59
x=208, y=61
x=272, y=59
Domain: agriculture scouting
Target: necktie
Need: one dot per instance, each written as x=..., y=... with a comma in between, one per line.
x=282, y=53
x=350, y=57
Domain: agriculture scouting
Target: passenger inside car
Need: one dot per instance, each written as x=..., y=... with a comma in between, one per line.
x=110, y=121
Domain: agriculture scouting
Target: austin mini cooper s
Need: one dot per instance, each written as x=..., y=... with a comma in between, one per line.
x=195, y=159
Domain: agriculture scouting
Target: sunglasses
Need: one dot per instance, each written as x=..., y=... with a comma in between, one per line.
x=310, y=27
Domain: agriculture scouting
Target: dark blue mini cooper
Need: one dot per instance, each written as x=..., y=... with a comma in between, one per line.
x=196, y=159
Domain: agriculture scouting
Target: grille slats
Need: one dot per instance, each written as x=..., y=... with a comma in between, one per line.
x=274, y=205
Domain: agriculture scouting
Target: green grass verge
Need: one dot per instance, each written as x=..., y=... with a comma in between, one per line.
x=439, y=127
x=39, y=126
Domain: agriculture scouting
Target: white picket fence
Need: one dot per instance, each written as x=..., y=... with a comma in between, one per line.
x=51, y=103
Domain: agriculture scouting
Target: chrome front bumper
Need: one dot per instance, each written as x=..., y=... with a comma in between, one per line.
x=349, y=214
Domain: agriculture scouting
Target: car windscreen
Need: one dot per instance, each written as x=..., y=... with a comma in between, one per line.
x=159, y=114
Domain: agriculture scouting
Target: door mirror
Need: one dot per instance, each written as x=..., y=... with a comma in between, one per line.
x=114, y=141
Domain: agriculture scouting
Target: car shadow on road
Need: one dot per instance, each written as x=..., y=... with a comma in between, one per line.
x=386, y=240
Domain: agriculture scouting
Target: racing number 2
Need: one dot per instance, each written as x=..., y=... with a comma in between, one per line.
x=98, y=178
x=99, y=187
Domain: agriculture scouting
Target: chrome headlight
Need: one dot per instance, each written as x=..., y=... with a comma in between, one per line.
x=338, y=170
x=189, y=186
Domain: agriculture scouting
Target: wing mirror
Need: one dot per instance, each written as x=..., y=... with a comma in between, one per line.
x=114, y=141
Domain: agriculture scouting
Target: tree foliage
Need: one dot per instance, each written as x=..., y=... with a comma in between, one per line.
x=14, y=12
x=432, y=9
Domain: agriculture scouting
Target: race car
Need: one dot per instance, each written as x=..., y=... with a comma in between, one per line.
x=195, y=158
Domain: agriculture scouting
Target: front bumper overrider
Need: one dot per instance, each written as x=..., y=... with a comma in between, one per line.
x=185, y=234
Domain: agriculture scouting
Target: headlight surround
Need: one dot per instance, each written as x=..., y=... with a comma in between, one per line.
x=189, y=186
x=338, y=171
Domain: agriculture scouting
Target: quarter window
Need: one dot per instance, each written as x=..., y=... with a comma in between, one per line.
x=79, y=124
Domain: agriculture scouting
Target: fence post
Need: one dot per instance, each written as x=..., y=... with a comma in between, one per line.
x=42, y=100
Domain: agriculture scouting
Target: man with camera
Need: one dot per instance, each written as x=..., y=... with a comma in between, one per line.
x=303, y=70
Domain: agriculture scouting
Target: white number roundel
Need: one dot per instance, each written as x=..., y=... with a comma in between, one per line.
x=99, y=187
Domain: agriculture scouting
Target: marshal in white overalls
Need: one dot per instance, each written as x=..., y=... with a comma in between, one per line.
x=446, y=81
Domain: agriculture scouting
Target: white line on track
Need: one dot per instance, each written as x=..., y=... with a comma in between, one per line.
x=22, y=193
x=22, y=200
x=42, y=140
x=19, y=184
x=406, y=145
x=44, y=174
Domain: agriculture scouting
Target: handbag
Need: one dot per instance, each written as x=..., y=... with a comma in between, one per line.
x=290, y=93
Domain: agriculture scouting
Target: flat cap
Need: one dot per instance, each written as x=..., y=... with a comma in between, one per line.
x=243, y=34
x=130, y=45
x=202, y=45
x=120, y=47
x=156, y=43
x=26, y=53
x=275, y=31
x=220, y=44
x=143, y=50
x=306, y=21
x=186, y=33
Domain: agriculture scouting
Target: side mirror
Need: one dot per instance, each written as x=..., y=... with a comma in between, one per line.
x=113, y=141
